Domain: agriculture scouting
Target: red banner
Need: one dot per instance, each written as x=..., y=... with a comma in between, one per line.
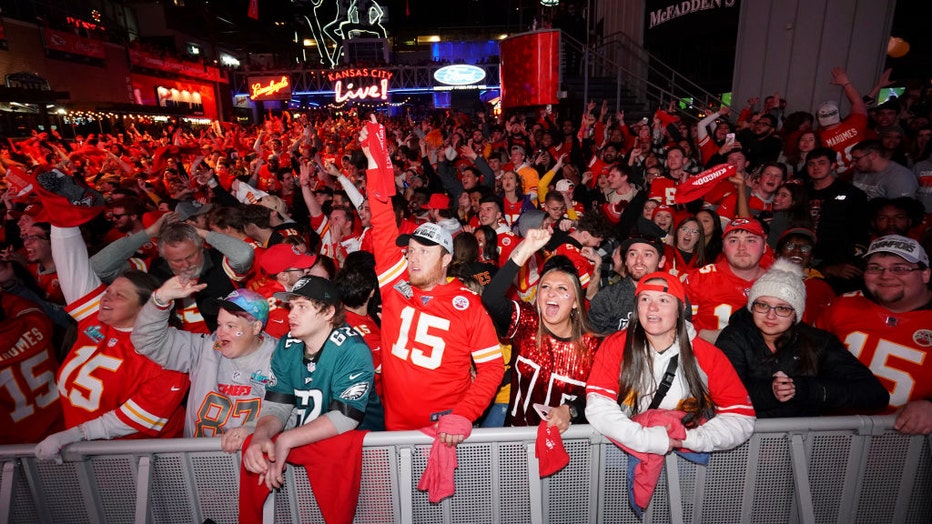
x=530, y=69
x=71, y=43
x=172, y=65
x=253, y=9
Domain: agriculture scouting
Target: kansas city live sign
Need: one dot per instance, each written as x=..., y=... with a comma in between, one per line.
x=359, y=84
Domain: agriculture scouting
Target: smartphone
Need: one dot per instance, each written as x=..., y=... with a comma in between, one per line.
x=542, y=410
x=730, y=138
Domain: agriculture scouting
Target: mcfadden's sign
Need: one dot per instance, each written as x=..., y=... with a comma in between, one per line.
x=269, y=88
x=360, y=84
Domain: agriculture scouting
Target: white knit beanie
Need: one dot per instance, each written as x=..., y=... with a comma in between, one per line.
x=783, y=281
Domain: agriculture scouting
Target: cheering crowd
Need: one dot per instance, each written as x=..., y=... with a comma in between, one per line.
x=319, y=275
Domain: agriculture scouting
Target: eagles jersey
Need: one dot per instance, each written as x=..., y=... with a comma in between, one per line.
x=338, y=378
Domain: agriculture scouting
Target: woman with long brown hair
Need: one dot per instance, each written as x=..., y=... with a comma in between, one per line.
x=660, y=363
x=553, y=345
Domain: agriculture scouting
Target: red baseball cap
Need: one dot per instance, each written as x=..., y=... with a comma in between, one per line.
x=284, y=256
x=750, y=225
x=438, y=201
x=671, y=285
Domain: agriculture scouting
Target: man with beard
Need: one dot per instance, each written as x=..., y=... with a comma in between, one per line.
x=718, y=290
x=126, y=216
x=612, y=307
x=490, y=214
x=433, y=329
x=221, y=264
x=889, y=327
x=759, y=141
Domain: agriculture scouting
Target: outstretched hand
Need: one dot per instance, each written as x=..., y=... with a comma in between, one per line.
x=178, y=287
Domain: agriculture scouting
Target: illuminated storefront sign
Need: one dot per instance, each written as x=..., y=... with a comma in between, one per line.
x=459, y=75
x=360, y=84
x=269, y=88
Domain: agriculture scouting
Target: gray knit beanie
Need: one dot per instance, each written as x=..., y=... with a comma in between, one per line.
x=783, y=281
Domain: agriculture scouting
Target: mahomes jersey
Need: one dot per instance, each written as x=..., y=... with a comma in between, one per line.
x=29, y=406
x=339, y=377
x=103, y=373
x=897, y=347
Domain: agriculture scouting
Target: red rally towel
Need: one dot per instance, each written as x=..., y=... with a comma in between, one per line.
x=698, y=185
x=437, y=479
x=549, y=450
x=68, y=202
x=334, y=469
x=644, y=468
x=382, y=185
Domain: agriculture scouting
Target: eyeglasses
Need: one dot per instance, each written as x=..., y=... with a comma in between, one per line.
x=802, y=248
x=874, y=269
x=856, y=157
x=300, y=269
x=33, y=238
x=117, y=216
x=689, y=230
x=764, y=309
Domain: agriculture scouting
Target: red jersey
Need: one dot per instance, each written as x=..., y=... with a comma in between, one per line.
x=103, y=373
x=715, y=292
x=29, y=405
x=507, y=242
x=48, y=283
x=372, y=334
x=897, y=347
x=819, y=296
x=432, y=337
x=550, y=372
x=663, y=190
x=583, y=265
x=843, y=136
x=729, y=206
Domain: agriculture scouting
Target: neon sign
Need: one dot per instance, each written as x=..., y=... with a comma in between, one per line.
x=269, y=88
x=360, y=84
x=357, y=19
x=459, y=75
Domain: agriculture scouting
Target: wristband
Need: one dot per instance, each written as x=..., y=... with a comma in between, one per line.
x=158, y=302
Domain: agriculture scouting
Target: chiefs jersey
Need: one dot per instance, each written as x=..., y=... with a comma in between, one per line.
x=843, y=137
x=583, y=265
x=430, y=340
x=663, y=190
x=372, y=334
x=104, y=373
x=29, y=405
x=550, y=371
x=715, y=293
x=897, y=347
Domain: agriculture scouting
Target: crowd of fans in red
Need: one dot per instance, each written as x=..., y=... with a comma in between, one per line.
x=794, y=241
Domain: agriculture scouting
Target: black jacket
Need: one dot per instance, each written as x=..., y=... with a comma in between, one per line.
x=841, y=383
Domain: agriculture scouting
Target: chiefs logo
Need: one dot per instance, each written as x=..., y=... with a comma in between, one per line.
x=506, y=241
x=923, y=337
x=460, y=303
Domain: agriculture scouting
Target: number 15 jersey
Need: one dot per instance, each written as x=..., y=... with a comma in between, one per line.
x=897, y=347
x=429, y=340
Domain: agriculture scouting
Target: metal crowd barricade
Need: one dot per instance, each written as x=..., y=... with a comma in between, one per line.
x=832, y=469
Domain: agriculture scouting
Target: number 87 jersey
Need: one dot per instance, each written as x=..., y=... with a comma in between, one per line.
x=897, y=347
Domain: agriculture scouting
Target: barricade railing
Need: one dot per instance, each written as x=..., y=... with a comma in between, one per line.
x=831, y=469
